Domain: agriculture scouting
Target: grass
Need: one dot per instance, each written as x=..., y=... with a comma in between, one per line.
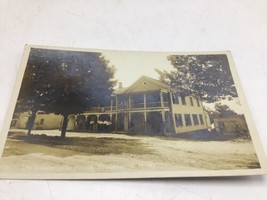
x=85, y=145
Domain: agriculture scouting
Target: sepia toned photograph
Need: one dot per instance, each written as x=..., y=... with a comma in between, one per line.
x=85, y=114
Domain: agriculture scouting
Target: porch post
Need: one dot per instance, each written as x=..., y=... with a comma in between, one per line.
x=111, y=109
x=97, y=118
x=173, y=124
x=145, y=112
x=129, y=112
x=163, y=112
x=116, y=114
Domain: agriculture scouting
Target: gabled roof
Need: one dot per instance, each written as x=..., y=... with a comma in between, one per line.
x=143, y=84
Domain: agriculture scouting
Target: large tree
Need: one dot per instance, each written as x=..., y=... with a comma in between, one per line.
x=66, y=82
x=35, y=93
x=206, y=76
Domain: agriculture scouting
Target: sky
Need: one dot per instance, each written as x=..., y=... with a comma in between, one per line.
x=132, y=65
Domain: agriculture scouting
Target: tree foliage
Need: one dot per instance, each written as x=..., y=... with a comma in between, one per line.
x=206, y=76
x=222, y=110
x=65, y=82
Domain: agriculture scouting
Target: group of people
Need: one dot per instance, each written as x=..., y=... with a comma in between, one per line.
x=93, y=125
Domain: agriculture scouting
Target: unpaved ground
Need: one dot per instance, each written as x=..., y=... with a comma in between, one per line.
x=163, y=154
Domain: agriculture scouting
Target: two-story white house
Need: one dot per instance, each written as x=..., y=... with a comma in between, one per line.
x=148, y=106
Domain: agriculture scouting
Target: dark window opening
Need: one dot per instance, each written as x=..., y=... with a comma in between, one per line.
x=166, y=97
x=183, y=100
x=175, y=98
x=198, y=104
x=153, y=100
x=42, y=121
x=195, y=120
x=188, y=121
x=137, y=101
x=191, y=101
x=201, y=119
x=178, y=120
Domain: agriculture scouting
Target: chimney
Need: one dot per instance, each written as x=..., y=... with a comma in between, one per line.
x=120, y=85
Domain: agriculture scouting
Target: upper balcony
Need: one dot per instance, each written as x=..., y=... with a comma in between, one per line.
x=148, y=105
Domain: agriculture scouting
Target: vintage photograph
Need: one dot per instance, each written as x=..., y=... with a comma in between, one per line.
x=85, y=114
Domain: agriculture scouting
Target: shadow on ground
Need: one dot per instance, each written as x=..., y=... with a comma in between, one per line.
x=88, y=145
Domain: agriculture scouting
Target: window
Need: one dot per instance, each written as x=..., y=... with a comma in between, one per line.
x=188, y=121
x=201, y=119
x=195, y=120
x=198, y=104
x=191, y=101
x=175, y=98
x=183, y=100
x=178, y=120
x=42, y=121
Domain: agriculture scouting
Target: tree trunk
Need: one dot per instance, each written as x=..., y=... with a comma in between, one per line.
x=30, y=122
x=64, y=126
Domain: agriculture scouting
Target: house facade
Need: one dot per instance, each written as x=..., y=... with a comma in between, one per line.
x=148, y=106
x=43, y=121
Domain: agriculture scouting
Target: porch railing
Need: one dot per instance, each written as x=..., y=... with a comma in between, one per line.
x=126, y=107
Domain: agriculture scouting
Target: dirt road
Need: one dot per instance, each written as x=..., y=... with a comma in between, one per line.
x=161, y=154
